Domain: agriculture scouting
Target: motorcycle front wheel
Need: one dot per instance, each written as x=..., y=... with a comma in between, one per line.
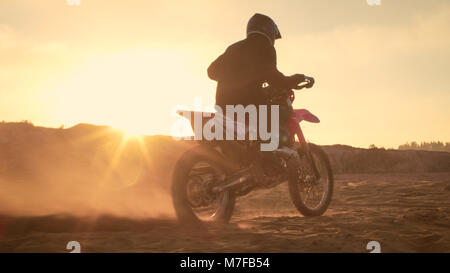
x=310, y=194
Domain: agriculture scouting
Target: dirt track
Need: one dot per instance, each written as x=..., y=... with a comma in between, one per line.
x=404, y=212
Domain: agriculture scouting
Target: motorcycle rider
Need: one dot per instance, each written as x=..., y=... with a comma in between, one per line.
x=241, y=71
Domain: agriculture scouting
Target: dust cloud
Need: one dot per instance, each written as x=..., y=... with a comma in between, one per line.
x=84, y=171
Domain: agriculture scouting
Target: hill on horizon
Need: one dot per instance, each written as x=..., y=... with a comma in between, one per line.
x=19, y=138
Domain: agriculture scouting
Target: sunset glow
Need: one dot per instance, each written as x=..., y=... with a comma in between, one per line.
x=378, y=69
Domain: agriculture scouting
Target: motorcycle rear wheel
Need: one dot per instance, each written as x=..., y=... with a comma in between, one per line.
x=193, y=166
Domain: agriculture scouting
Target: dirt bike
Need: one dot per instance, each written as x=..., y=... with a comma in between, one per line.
x=208, y=178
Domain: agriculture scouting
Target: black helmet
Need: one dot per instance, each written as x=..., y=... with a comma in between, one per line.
x=264, y=25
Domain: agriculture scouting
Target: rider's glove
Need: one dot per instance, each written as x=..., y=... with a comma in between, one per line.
x=310, y=81
x=297, y=79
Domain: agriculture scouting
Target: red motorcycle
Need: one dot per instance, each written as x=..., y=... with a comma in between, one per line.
x=209, y=177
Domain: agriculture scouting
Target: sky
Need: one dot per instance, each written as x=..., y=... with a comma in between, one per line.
x=382, y=72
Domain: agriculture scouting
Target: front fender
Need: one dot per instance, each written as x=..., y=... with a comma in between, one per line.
x=303, y=114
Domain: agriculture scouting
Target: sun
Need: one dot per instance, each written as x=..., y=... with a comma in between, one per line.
x=131, y=135
x=131, y=91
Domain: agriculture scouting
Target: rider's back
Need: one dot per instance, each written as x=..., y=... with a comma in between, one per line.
x=241, y=71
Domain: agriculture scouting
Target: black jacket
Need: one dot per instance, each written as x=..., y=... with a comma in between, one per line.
x=243, y=68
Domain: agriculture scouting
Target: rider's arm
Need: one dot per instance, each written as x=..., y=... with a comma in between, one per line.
x=274, y=77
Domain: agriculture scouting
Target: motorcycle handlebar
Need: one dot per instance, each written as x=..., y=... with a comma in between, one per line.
x=308, y=83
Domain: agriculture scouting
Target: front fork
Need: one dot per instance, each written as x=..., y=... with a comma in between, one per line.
x=304, y=147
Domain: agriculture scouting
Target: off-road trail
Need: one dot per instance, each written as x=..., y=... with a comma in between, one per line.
x=403, y=212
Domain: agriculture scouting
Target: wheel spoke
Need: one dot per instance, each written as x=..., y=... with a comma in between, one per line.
x=204, y=204
x=309, y=185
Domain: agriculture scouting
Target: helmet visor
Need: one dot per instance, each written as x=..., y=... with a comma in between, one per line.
x=277, y=32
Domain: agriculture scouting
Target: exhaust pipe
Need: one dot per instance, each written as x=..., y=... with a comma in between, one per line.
x=233, y=183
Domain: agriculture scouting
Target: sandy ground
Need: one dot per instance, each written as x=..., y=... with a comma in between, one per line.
x=403, y=212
